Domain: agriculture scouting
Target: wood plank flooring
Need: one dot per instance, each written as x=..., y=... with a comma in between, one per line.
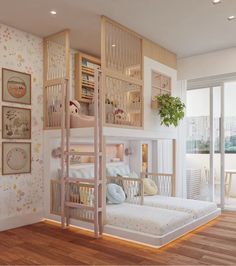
x=46, y=244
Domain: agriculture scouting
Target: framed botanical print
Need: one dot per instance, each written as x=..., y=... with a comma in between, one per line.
x=16, y=158
x=16, y=86
x=16, y=123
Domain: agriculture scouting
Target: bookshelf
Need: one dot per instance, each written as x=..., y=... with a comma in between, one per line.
x=84, y=76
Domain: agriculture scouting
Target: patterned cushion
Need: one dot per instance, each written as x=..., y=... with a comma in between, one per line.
x=115, y=194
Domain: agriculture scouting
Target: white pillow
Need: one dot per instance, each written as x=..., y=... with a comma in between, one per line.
x=133, y=174
x=112, y=171
x=118, y=170
x=86, y=172
x=124, y=170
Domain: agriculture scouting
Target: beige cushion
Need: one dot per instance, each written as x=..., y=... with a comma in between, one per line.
x=149, y=187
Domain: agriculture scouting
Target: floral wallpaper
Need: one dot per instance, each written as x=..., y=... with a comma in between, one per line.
x=22, y=194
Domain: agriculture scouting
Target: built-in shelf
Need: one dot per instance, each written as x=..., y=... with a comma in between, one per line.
x=145, y=157
x=114, y=153
x=84, y=76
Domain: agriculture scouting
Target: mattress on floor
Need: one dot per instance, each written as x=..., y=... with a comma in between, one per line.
x=196, y=208
x=146, y=219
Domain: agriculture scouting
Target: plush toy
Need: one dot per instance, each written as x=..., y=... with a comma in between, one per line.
x=74, y=107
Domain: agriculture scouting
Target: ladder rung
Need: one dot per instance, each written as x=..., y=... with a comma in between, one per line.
x=82, y=180
x=78, y=205
x=83, y=153
x=81, y=206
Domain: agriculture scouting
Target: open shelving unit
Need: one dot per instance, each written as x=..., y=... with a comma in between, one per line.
x=84, y=76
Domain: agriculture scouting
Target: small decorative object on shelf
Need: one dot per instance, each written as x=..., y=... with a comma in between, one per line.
x=84, y=76
x=171, y=109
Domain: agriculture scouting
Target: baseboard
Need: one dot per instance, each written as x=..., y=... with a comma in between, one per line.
x=18, y=221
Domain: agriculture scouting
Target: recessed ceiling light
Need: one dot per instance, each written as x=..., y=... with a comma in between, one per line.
x=53, y=12
x=216, y=2
x=231, y=18
x=113, y=45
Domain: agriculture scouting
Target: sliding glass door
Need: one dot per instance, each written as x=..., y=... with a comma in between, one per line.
x=230, y=145
x=198, y=144
x=204, y=143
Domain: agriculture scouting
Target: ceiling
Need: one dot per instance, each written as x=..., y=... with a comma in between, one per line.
x=186, y=27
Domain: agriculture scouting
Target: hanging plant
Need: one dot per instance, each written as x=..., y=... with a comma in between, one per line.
x=171, y=109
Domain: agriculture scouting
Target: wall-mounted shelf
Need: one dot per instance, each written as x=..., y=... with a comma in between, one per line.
x=84, y=76
x=114, y=153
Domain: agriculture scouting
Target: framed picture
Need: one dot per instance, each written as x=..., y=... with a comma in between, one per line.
x=16, y=158
x=16, y=86
x=16, y=123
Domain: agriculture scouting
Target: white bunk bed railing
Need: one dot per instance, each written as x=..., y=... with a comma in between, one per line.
x=165, y=183
x=76, y=193
x=133, y=187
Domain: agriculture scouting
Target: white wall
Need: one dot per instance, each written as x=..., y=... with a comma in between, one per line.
x=152, y=120
x=205, y=65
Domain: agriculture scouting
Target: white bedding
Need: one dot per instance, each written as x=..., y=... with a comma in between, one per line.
x=196, y=208
x=145, y=219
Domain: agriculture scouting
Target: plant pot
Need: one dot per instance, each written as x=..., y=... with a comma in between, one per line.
x=155, y=105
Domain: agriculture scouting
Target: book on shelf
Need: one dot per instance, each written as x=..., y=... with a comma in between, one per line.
x=88, y=64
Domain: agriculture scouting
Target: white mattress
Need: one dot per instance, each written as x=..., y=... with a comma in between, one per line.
x=196, y=208
x=146, y=219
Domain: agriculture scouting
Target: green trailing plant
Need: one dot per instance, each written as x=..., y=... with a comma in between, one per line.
x=171, y=109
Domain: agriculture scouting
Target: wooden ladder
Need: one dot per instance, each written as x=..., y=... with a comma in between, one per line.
x=97, y=154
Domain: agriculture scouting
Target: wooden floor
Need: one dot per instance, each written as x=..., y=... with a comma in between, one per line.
x=45, y=243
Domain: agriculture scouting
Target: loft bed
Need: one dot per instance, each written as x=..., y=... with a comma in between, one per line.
x=83, y=197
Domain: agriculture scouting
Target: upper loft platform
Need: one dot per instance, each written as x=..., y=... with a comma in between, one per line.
x=113, y=133
x=125, y=89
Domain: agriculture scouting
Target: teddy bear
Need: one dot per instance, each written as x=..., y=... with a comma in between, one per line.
x=74, y=107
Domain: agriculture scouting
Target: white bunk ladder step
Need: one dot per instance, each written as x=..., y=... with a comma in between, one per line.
x=81, y=206
x=82, y=180
x=83, y=153
x=95, y=182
